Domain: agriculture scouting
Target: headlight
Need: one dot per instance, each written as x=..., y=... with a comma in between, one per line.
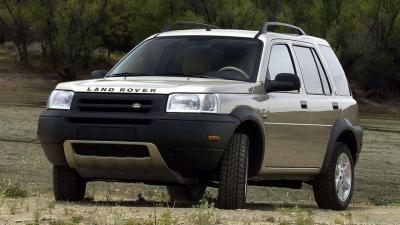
x=60, y=100
x=193, y=103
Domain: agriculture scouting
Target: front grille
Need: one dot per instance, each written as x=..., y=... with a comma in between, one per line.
x=111, y=150
x=123, y=103
x=115, y=105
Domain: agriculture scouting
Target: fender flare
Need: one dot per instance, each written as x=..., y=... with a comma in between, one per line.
x=244, y=114
x=340, y=126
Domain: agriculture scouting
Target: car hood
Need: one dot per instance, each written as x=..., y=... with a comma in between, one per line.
x=158, y=85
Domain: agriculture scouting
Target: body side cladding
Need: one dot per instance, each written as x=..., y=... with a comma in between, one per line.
x=343, y=126
x=250, y=116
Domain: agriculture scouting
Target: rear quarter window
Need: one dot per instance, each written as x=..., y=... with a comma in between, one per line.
x=336, y=70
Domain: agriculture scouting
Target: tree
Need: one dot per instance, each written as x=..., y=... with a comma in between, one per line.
x=2, y=36
x=15, y=20
x=365, y=34
x=69, y=32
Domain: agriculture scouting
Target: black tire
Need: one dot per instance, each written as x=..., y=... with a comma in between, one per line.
x=67, y=184
x=233, y=173
x=325, y=192
x=186, y=193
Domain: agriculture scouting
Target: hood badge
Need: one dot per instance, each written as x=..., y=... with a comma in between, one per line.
x=121, y=90
x=136, y=106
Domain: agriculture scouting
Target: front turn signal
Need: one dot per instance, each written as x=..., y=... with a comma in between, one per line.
x=213, y=138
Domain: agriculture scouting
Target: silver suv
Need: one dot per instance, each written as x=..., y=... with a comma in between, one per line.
x=193, y=108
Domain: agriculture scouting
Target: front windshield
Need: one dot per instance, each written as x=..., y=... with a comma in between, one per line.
x=204, y=56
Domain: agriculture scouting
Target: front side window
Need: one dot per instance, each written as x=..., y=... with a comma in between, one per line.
x=280, y=61
x=309, y=70
x=203, y=56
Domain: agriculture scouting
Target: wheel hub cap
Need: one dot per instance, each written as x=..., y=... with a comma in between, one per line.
x=343, y=177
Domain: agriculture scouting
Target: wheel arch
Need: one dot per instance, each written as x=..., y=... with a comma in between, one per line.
x=343, y=131
x=251, y=124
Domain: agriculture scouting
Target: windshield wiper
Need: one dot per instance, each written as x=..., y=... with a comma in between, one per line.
x=128, y=74
x=179, y=74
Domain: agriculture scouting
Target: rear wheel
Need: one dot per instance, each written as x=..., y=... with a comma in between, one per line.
x=186, y=193
x=334, y=189
x=67, y=184
x=233, y=173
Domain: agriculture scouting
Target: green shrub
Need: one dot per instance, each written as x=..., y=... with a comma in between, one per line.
x=76, y=219
x=284, y=222
x=61, y=222
x=271, y=219
x=138, y=222
x=205, y=214
x=12, y=190
x=166, y=218
x=305, y=218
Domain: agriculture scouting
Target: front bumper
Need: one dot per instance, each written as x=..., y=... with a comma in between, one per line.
x=181, y=139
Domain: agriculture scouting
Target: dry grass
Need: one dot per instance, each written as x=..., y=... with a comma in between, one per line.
x=40, y=212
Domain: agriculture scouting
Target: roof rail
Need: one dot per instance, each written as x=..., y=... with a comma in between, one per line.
x=265, y=26
x=172, y=25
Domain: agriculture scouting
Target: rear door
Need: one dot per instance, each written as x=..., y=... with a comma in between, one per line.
x=320, y=100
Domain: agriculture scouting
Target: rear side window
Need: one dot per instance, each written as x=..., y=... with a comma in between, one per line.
x=336, y=70
x=309, y=70
x=280, y=61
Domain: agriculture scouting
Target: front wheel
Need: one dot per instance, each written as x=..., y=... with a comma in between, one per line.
x=233, y=173
x=67, y=184
x=334, y=189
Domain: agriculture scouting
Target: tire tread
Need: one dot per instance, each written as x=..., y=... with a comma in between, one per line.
x=67, y=184
x=232, y=177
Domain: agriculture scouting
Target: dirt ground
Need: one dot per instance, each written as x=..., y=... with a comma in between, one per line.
x=112, y=212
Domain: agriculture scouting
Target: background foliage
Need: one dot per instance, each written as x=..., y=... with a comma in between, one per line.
x=364, y=33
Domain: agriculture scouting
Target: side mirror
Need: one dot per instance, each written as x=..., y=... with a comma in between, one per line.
x=283, y=82
x=97, y=74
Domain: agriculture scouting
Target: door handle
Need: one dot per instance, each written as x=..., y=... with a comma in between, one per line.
x=335, y=105
x=303, y=104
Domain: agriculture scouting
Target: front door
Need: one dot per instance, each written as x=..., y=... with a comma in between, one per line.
x=287, y=117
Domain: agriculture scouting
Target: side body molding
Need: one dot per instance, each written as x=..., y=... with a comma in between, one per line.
x=341, y=126
x=253, y=116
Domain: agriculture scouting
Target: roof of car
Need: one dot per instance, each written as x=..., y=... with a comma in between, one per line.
x=212, y=32
x=241, y=33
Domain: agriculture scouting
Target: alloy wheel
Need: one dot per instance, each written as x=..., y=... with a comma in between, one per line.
x=343, y=177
